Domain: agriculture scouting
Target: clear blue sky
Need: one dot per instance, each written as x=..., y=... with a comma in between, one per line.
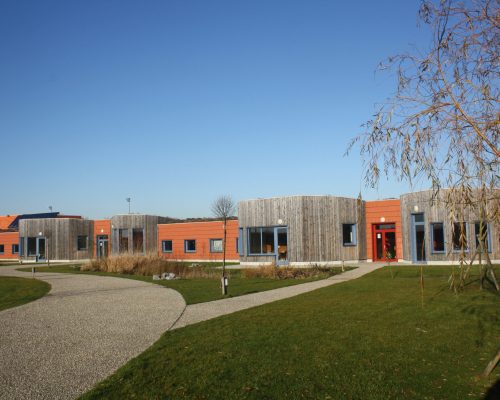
x=176, y=102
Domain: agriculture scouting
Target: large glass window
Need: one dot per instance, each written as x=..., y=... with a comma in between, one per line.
x=261, y=240
x=166, y=246
x=459, y=236
x=482, y=231
x=437, y=237
x=215, y=245
x=138, y=240
x=82, y=243
x=31, y=246
x=349, y=234
x=123, y=240
x=190, y=246
x=21, y=246
x=2, y=248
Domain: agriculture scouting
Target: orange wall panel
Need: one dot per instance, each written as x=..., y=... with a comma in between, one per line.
x=391, y=211
x=101, y=227
x=202, y=232
x=8, y=239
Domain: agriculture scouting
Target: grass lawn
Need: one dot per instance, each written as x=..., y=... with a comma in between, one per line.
x=365, y=339
x=16, y=291
x=199, y=290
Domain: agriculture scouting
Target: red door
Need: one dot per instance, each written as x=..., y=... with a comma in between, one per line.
x=384, y=242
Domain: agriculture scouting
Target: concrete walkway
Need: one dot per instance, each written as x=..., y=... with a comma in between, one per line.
x=205, y=311
x=61, y=345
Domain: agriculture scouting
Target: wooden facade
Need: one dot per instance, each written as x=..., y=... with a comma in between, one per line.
x=61, y=238
x=314, y=226
x=435, y=210
x=130, y=222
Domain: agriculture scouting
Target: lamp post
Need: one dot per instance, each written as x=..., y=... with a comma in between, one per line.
x=128, y=201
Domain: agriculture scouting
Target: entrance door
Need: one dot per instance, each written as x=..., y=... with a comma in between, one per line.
x=281, y=245
x=102, y=246
x=418, y=238
x=384, y=242
x=40, y=248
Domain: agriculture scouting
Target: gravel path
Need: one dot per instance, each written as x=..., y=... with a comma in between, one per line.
x=205, y=311
x=61, y=345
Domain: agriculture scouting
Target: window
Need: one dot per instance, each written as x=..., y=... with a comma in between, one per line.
x=189, y=246
x=2, y=248
x=166, y=246
x=261, y=240
x=459, y=236
x=21, y=246
x=82, y=243
x=349, y=234
x=437, y=237
x=482, y=231
x=239, y=241
x=216, y=246
x=138, y=240
x=31, y=246
x=122, y=240
x=15, y=249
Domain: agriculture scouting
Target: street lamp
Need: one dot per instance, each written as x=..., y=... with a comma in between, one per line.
x=128, y=201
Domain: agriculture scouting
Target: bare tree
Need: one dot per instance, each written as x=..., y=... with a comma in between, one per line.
x=442, y=123
x=224, y=207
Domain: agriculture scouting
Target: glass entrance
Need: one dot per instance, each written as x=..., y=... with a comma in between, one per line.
x=418, y=238
x=282, y=245
x=102, y=246
x=384, y=246
x=40, y=248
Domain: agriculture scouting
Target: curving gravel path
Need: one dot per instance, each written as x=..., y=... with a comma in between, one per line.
x=61, y=345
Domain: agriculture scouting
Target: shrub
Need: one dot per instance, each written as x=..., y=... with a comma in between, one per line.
x=274, y=272
x=148, y=265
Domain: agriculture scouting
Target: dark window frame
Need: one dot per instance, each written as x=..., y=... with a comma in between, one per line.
x=13, y=248
x=186, y=244
x=78, y=247
x=353, y=231
x=458, y=249
x=432, y=238
x=163, y=246
x=2, y=248
x=211, y=241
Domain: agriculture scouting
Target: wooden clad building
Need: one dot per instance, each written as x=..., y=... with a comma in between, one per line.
x=55, y=239
x=302, y=230
x=429, y=236
x=135, y=233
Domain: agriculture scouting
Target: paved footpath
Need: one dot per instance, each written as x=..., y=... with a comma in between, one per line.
x=61, y=345
x=205, y=311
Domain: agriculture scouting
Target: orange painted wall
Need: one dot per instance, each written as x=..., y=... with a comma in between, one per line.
x=202, y=232
x=391, y=211
x=102, y=227
x=8, y=239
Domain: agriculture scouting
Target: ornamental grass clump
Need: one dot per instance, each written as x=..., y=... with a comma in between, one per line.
x=147, y=265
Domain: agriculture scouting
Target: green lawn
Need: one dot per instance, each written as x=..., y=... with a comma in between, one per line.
x=200, y=290
x=17, y=291
x=365, y=339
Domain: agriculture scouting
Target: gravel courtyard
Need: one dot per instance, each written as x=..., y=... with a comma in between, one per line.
x=61, y=345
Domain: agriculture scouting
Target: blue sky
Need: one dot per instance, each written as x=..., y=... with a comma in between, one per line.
x=176, y=102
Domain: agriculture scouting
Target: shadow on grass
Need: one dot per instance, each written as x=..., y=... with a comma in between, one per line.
x=493, y=392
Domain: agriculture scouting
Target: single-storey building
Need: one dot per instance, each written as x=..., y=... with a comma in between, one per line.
x=302, y=230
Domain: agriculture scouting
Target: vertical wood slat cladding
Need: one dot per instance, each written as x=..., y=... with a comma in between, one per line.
x=314, y=226
x=149, y=223
x=437, y=211
x=62, y=235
